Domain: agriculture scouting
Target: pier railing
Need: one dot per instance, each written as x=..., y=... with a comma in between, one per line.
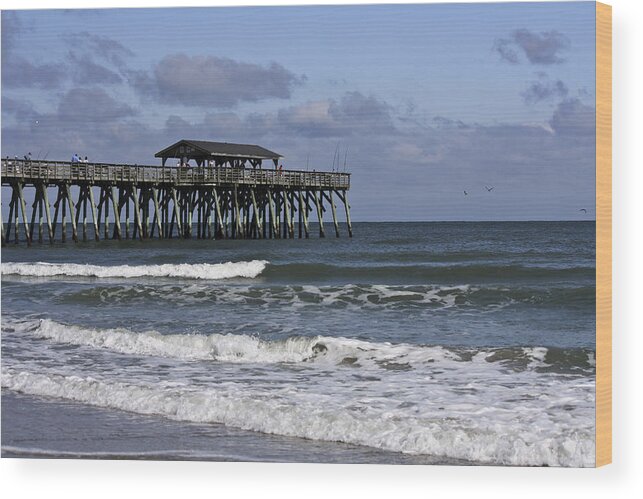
x=65, y=171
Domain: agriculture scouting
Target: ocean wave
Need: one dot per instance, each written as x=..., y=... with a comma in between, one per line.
x=497, y=440
x=426, y=272
x=250, y=269
x=338, y=351
x=346, y=296
x=350, y=296
x=314, y=272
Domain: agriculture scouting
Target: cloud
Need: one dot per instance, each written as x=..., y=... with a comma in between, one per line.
x=213, y=81
x=18, y=72
x=544, y=89
x=507, y=50
x=359, y=110
x=539, y=48
x=364, y=122
x=87, y=72
x=16, y=106
x=11, y=28
x=351, y=114
x=91, y=121
x=574, y=119
x=111, y=141
x=100, y=46
x=20, y=109
x=312, y=119
x=80, y=67
x=442, y=122
x=86, y=49
x=87, y=120
x=81, y=106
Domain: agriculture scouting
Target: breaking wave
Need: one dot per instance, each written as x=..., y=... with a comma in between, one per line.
x=499, y=441
x=214, y=271
x=238, y=348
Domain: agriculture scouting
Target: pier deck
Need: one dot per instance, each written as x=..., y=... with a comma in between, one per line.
x=165, y=202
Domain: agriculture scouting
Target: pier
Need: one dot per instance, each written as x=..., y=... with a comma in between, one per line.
x=227, y=195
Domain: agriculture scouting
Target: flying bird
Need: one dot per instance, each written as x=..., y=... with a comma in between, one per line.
x=489, y=189
x=583, y=210
x=466, y=193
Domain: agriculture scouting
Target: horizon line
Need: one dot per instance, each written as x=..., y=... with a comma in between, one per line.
x=464, y=221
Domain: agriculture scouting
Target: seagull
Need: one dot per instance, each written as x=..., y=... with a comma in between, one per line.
x=489, y=189
x=583, y=210
x=466, y=193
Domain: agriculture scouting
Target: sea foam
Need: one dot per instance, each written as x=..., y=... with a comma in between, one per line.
x=347, y=296
x=503, y=442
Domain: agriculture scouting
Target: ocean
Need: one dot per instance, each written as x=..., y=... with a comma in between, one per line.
x=411, y=343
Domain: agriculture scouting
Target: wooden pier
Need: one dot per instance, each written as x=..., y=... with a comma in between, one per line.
x=219, y=199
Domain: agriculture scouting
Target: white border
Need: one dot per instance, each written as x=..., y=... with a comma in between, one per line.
x=51, y=479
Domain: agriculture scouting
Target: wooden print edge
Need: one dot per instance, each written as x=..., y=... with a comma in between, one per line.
x=603, y=234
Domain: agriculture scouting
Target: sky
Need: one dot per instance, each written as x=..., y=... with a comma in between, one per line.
x=420, y=103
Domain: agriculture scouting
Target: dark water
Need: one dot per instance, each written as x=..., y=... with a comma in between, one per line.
x=411, y=342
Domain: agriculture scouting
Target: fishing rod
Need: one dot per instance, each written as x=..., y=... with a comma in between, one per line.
x=336, y=156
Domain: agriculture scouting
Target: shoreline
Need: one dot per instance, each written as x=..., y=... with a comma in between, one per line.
x=56, y=429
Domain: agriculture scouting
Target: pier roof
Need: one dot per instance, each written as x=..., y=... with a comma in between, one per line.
x=201, y=149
